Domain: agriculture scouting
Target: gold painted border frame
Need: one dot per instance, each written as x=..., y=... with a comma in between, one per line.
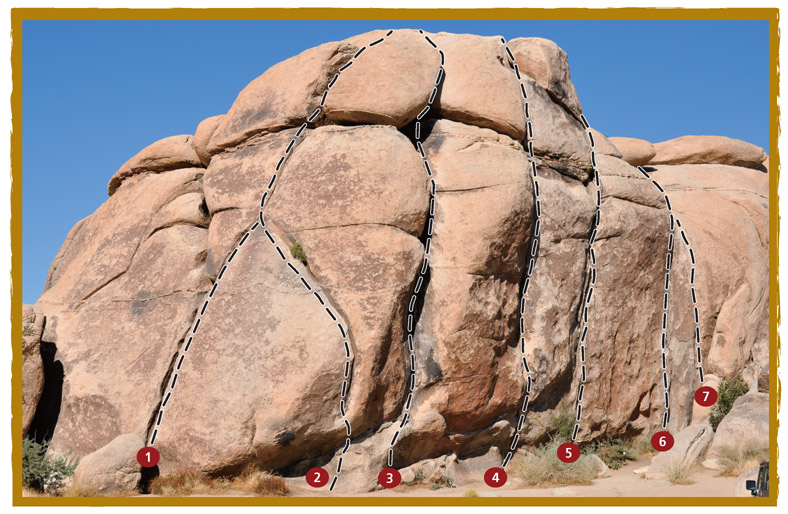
x=19, y=15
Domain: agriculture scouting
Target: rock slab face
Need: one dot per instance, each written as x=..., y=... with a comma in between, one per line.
x=259, y=380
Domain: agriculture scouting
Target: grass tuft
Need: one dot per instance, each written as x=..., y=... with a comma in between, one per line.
x=642, y=447
x=542, y=467
x=187, y=483
x=442, y=482
x=678, y=472
x=735, y=461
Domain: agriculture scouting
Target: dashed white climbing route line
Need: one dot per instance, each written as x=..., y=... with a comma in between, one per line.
x=410, y=326
x=260, y=223
x=592, y=269
x=665, y=301
x=348, y=355
x=674, y=220
x=170, y=387
x=531, y=258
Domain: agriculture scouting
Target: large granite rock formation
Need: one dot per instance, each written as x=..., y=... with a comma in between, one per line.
x=264, y=380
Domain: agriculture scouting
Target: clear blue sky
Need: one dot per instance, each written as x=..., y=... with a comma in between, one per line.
x=96, y=92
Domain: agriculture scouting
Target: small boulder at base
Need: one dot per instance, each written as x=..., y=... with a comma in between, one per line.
x=708, y=150
x=688, y=447
x=636, y=152
x=602, y=469
x=469, y=470
x=747, y=421
x=700, y=414
x=112, y=469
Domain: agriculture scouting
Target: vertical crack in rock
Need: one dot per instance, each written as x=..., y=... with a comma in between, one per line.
x=590, y=281
x=531, y=257
x=165, y=396
x=416, y=300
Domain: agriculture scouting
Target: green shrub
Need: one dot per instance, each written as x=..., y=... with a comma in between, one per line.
x=470, y=493
x=28, y=330
x=419, y=478
x=298, y=253
x=442, y=482
x=542, y=467
x=614, y=452
x=728, y=391
x=562, y=423
x=642, y=446
x=42, y=473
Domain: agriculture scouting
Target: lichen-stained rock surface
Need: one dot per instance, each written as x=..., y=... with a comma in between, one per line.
x=626, y=308
x=262, y=379
x=123, y=298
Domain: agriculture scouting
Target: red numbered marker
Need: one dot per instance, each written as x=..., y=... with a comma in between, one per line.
x=389, y=478
x=148, y=457
x=495, y=477
x=317, y=477
x=662, y=441
x=705, y=396
x=568, y=452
